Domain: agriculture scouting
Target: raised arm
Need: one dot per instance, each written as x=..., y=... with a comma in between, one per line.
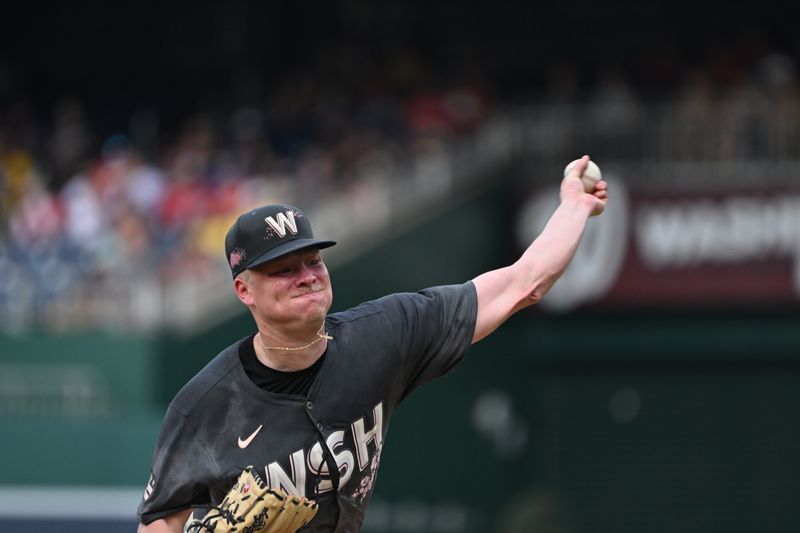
x=503, y=292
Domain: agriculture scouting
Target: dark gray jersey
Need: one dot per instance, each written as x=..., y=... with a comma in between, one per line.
x=221, y=421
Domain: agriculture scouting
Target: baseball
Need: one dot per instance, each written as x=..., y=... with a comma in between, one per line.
x=590, y=176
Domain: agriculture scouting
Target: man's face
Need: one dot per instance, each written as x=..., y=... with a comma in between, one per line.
x=293, y=290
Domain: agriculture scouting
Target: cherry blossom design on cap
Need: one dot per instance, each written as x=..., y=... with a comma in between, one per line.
x=237, y=256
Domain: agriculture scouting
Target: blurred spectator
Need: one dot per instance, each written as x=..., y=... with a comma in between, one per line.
x=83, y=213
x=145, y=186
x=557, y=108
x=17, y=172
x=249, y=153
x=742, y=104
x=70, y=142
x=778, y=78
x=613, y=103
x=615, y=110
x=690, y=128
x=36, y=218
x=447, y=112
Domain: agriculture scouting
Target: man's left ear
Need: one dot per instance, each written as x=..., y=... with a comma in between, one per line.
x=242, y=289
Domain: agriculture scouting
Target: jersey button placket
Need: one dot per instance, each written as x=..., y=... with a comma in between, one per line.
x=328, y=456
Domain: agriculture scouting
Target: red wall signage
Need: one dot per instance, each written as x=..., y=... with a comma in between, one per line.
x=680, y=249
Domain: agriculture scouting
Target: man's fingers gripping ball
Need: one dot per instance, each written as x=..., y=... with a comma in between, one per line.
x=251, y=507
x=590, y=177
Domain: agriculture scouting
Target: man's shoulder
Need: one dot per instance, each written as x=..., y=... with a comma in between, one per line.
x=196, y=389
x=402, y=302
x=367, y=311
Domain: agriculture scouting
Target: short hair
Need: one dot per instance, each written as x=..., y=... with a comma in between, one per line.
x=246, y=276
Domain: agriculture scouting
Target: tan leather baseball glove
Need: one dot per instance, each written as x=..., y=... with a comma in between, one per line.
x=251, y=507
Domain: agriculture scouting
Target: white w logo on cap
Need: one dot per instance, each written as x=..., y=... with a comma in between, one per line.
x=284, y=220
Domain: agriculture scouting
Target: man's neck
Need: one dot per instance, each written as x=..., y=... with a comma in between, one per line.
x=289, y=355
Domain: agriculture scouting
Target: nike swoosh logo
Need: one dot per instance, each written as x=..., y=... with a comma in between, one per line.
x=246, y=442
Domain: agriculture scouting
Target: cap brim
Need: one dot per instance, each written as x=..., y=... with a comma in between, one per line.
x=289, y=247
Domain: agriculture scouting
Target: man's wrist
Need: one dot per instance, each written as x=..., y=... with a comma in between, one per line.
x=580, y=205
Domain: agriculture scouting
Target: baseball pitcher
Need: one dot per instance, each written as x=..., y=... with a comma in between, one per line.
x=283, y=430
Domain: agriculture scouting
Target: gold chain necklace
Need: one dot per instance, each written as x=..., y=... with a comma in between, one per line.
x=321, y=334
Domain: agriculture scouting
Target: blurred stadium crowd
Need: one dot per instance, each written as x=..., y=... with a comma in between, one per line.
x=84, y=221
x=87, y=223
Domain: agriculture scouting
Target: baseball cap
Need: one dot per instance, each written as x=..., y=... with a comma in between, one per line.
x=266, y=233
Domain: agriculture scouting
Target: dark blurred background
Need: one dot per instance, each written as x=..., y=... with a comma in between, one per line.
x=656, y=387
x=182, y=58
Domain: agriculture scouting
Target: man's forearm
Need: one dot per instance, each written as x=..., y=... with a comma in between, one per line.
x=550, y=253
x=159, y=526
x=170, y=524
x=505, y=291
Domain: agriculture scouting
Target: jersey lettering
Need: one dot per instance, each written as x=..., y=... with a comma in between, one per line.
x=277, y=478
x=151, y=486
x=362, y=437
x=295, y=483
x=341, y=455
x=284, y=220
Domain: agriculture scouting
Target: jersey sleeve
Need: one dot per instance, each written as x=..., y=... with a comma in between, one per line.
x=435, y=328
x=180, y=464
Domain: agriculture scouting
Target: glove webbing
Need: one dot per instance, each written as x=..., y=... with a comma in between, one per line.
x=228, y=512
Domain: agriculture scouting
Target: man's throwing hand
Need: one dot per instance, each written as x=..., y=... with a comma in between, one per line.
x=573, y=188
